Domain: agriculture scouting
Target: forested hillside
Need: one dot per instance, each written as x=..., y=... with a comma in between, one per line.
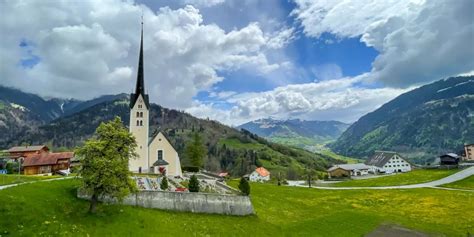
x=421, y=124
x=229, y=149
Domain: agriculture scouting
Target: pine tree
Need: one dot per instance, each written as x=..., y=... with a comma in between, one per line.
x=195, y=151
x=244, y=186
x=193, y=184
x=105, y=162
x=164, y=183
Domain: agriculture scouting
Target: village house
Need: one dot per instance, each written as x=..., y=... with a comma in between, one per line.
x=346, y=170
x=47, y=163
x=17, y=152
x=468, y=152
x=260, y=175
x=449, y=159
x=388, y=162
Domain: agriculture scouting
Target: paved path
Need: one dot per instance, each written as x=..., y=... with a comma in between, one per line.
x=446, y=180
x=46, y=180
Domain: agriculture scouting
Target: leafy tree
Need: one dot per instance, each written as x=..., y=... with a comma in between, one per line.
x=105, y=162
x=195, y=150
x=244, y=186
x=194, y=184
x=164, y=183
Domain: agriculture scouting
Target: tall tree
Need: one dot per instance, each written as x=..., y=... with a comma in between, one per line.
x=105, y=162
x=195, y=150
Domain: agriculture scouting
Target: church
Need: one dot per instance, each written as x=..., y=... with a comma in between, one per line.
x=155, y=154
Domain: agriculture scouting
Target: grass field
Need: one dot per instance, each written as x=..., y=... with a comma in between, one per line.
x=413, y=177
x=50, y=208
x=467, y=183
x=6, y=179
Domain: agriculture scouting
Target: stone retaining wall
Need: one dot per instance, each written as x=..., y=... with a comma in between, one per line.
x=187, y=202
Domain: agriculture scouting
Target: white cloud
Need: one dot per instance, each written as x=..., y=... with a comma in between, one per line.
x=418, y=41
x=203, y=3
x=339, y=99
x=91, y=48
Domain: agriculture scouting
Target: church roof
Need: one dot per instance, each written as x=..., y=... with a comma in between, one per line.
x=160, y=163
x=140, y=87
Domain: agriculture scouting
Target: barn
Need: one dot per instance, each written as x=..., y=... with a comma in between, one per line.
x=47, y=163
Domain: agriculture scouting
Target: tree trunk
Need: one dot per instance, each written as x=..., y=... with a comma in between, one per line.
x=93, y=202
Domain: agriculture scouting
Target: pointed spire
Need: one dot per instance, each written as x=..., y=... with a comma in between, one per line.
x=140, y=87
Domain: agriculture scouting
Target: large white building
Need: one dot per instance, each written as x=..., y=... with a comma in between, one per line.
x=155, y=154
x=388, y=162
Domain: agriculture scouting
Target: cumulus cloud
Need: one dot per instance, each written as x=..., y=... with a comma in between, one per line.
x=418, y=41
x=91, y=48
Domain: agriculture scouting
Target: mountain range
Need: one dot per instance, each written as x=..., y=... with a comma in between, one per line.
x=65, y=124
x=421, y=124
x=296, y=132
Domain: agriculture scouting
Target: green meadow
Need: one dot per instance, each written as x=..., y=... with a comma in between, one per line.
x=51, y=209
x=413, y=177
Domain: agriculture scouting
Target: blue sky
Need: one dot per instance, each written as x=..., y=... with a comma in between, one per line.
x=238, y=60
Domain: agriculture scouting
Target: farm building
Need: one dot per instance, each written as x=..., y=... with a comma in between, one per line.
x=26, y=151
x=388, y=162
x=449, y=159
x=47, y=163
x=346, y=170
x=259, y=175
x=468, y=152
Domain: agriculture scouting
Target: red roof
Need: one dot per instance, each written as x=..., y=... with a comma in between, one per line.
x=223, y=174
x=262, y=171
x=47, y=158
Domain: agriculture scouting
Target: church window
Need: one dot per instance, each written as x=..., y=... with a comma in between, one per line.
x=141, y=114
x=160, y=154
x=138, y=123
x=138, y=114
x=141, y=123
x=139, y=106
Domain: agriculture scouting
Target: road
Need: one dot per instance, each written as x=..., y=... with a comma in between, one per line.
x=433, y=184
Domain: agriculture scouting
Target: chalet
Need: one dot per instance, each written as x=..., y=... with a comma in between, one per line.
x=47, y=163
x=260, y=175
x=346, y=170
x=468, y=152
x=388, y=162
x=26, y=151
x=449, y=159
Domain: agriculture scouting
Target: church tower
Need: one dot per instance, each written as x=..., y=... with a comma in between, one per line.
x=139, y=118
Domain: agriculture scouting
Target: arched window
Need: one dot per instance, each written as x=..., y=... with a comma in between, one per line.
x=141, y=123
x=138, y=123
x=141, y=114
x=138, y=114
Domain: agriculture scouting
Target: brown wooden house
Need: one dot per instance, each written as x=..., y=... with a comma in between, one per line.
x=26, y=151
x=44, y=163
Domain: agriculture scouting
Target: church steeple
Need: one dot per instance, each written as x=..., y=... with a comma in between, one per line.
x=140, y=86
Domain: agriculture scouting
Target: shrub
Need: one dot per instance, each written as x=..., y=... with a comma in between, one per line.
x=194, y=184
x=244, y=186
x=164, y=183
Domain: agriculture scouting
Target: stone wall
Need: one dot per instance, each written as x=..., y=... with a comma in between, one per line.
x=187, y=202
